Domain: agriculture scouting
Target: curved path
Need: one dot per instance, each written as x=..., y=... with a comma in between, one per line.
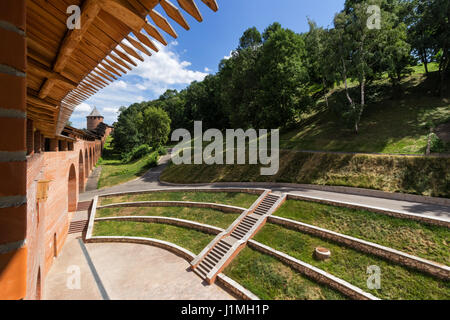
x=150, y=180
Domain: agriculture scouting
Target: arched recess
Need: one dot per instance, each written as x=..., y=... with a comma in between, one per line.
x=86, y=163
x=92, y=158
x=72, y=189
x=81, y=172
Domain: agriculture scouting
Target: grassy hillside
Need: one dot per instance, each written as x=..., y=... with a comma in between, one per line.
x=416, y=175
x=394, y=122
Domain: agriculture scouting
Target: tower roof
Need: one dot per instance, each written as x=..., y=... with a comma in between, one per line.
x=95, y=113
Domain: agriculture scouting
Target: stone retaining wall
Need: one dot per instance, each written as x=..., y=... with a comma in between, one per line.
x=430, y=267
x=393, y=213
x=314, y=273
x=235, y=288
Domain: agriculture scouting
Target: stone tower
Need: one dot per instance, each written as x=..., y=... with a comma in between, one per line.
x=94, y=119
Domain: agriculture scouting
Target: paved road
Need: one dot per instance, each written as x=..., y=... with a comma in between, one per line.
x=151, y=181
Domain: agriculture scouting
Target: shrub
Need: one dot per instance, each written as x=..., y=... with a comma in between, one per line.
x=436, y=144
x=153, y=160
x=136, y=153
x=161, y=151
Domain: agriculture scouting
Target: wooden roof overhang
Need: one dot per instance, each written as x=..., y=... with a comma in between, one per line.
x=66, y=67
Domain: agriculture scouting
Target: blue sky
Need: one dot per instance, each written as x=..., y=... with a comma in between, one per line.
x=197, y=52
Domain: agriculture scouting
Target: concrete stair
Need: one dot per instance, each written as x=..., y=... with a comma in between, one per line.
x=223, y=251
x=212, y=258
x=78, y=226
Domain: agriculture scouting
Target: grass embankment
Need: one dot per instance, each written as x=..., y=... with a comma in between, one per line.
x=238, y=199
x=397, y=282
x=114, y=171
x=189, y=239
x=202, y=215
x=270, y=279
x=425, y=241
x=416, y=175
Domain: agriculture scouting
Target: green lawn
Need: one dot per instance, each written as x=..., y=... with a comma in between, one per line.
x=428, y=242
x=238, y=199
x=397, y=282
x=202, y=215
x=416, y=175
x=115, y=172
x=269, y=279
x=189, y=239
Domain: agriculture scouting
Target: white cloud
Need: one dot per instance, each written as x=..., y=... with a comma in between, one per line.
x=229, y=56
x=83, y=108
x=165, y=68
x=119, y=84
x=110, y=110
x=151, y=78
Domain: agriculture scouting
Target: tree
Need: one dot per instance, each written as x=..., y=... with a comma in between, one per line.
x=250, y=39
x=283, y=79
x=155, y=126
x=320, y=70
x=126, y=134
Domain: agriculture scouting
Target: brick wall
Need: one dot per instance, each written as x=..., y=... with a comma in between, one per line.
x=13, y=205
x=54, y=212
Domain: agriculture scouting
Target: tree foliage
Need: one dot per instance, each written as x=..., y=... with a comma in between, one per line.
x=273, y=77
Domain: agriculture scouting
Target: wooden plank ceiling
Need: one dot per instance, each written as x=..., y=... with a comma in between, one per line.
x=66, y=67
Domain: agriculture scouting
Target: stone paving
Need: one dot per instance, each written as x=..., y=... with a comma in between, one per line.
x=125, y=271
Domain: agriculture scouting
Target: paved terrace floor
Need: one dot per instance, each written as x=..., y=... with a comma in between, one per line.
x=125, y=271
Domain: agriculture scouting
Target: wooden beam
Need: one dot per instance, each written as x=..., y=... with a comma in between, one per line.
x=110, y=69
x=212, y=4
x=115, y=65
x=173, y=12
x=138, y=45
x=124, y=57
x=119, y=61
x=145, y=40
x=163, y=23
x=154, y=32
x=191, y=7
x=130, y=51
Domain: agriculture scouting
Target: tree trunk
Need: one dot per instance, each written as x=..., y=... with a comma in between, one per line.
x=425, y=60
x=325, y=92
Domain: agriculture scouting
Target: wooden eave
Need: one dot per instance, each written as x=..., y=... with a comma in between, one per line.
x=67, y=67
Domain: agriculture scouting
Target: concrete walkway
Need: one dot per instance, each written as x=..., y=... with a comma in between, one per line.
x=124, y=271
x=151, y=181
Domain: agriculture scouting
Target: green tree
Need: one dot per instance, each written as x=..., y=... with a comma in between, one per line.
x=155, y=126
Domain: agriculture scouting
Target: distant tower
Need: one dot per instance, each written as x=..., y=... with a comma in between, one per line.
x=94, y=119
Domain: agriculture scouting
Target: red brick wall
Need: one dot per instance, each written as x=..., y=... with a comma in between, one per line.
x=13, y=206
x=54, y=215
